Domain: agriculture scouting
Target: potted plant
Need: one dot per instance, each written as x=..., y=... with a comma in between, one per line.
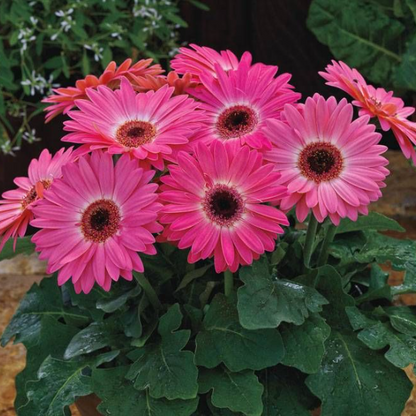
x=210, y=249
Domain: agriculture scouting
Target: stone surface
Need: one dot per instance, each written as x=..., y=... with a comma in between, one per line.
x=12, y=357
x=17, y=275
x=23, y=265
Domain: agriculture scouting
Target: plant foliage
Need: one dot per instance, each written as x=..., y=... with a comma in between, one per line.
x=287, y=340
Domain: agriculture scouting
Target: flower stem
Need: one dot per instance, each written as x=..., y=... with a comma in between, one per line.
x=329, y=237
x=228, y=282
x=310, y=239
x=148, y=289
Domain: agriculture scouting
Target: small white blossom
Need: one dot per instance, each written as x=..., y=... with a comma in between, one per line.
x=7, y=148
x=38, y=83
x=30, y=136
x=25, y=36
x=98, y=51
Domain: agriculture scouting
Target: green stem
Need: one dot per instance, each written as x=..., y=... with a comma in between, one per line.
x=329, y=237
x=148, y=289
x=228, y=282
x=310, y=239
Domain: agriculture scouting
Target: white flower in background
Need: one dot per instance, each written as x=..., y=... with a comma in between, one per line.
x=98, y=50
x=8, y=149
x=38, y=83
x=173, y=51
x=25, y=36
x=66, y=22
x=30, y=136
x=116, y=31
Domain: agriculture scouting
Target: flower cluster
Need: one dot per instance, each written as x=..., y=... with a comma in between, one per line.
x=209, y=158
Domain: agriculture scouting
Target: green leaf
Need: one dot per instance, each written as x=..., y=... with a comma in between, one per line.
x=344, y=248
x=65, y=66
x=2, y=113
x=378, y=335
x=52, y=340
x=176, y=19
x=403, y=319
x=402, y=351
x=6, y=78
x=117, y=299
x=223, y=340
x=329, y=283
x=238, y=392
x=85, y=64
x=94, y=337
x=400, y=253
x=285, y=394
x=372, y=221
x=265, y=301
x=192, y=275
x=359, y=33
x=279, y=254
x=378, y=288
x=357, y=381
x=164, y=368
x=131, y=321
x=200, y=5
x=107, y=57
x=120, y=398
x=359, y=319
x=60, y=384
x=23, y=246
x=304, y=344
x=412, y=6
x=40, y=301
x=53, y=63
x=405, y=75
x=381, y=248
x=87, y=303
x=146, y=334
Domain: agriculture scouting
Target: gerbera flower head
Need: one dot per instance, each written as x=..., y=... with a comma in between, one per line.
x=17, y=205
x=330, y=164
x=201, y=59
x=151, y=126
x=239, y=102
x=155, y=82
x=64, y=98
x=214, y=203
x=376, y=102
x=95, y=219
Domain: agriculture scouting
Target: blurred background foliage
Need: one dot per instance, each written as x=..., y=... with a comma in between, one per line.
x=50, y=43
x=378, y=37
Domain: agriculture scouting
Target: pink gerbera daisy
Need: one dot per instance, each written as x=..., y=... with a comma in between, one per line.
x=214, y=204
x=202, y=60
x=239, y=103
x=376, y=102
x=17, y=205
x=64, y=98
x=330, y=164
x=95, y=219
x=151, y=126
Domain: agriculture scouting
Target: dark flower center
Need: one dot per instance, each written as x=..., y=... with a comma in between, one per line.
x=236, y=121
x=135, y=133
x=100, y=221
x=223, y=205
x=32, y=194
x=320, y=162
